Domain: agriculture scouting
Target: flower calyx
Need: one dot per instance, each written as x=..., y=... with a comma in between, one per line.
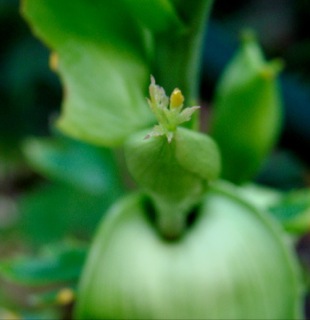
x=169, y=111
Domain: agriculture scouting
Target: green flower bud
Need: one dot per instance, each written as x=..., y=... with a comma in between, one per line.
x=247, y=112
x=172, y=164
x=230, y=264
x=175, y=175
x=169, y=112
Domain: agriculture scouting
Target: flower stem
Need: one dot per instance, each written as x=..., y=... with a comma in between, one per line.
x=178, y=54
x=170, y=219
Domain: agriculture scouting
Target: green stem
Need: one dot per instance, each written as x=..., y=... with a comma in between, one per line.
x=170, y=218
x=178, y=54
x=177, y=64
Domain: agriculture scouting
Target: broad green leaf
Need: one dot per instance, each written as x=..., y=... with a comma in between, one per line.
x=102, y=63
x=77, y=164
x=56, y=265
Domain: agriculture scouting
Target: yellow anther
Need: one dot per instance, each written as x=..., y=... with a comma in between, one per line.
x=53, y=61
x=176, y=98
x=65, y=296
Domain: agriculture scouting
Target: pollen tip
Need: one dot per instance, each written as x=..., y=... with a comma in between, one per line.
x=176, y=98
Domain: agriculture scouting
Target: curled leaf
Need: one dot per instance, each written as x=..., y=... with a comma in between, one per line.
x=102, y=66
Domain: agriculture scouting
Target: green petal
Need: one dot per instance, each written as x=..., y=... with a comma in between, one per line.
x=225, y=267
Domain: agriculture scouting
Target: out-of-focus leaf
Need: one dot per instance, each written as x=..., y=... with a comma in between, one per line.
x=6, y=314
x=24, y=75
x=260, y=196
x=157, y=15
x=293, y=211
x=60, y=296
x=7, y=6
x=27, y=87
x=8, y=212
x=77, y=164
x=50, y=213
x=41, y=314
x=284, y=171
x=56, y=265
x=102, y=62
x=290, y=209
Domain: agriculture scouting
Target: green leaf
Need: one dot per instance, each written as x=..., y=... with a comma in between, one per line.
x=77, y=164
x=293, y=211
x=157, y=15
x=55, y=265
x=260, y=196
x=102, y=65
x=53, y=212
x=247, y=112
x=290, y=209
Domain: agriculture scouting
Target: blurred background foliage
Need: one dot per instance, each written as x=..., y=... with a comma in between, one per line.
x=54, y=190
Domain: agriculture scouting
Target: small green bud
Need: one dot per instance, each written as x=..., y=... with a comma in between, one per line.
x=172, y=164
x=247, y=113
x=174, y=174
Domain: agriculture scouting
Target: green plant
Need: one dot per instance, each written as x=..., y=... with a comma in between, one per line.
x=187, y=244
